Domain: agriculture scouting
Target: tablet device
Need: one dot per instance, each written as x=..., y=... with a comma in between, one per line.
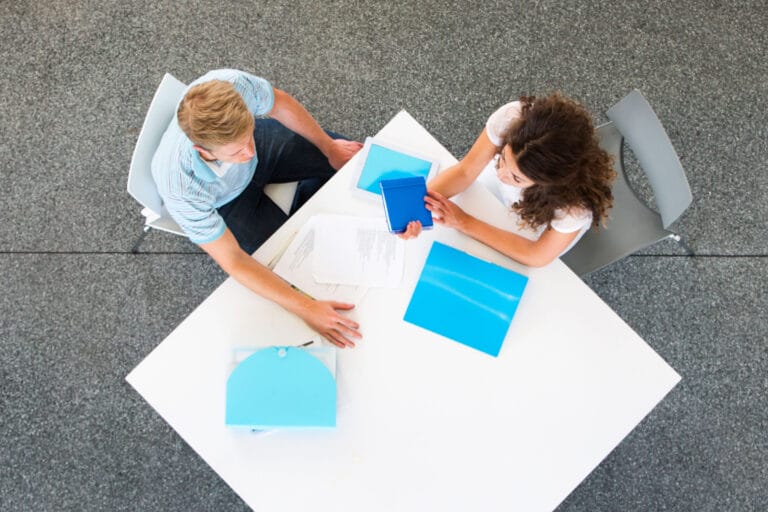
x=382, y=160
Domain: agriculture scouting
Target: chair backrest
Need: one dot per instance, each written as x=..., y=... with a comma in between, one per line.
x=163, y=107
x=632, y=224
x=642, y=130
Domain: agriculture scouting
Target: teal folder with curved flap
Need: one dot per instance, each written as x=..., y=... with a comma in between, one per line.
x=281, y=387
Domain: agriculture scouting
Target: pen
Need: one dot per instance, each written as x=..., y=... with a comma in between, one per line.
x=279, y=254
x=301, y=291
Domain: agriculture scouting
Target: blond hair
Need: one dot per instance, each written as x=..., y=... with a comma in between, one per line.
x=213, y=114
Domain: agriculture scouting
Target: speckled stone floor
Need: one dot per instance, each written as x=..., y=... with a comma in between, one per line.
x=78, y=311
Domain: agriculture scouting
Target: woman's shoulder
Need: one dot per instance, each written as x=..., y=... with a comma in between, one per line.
x=571, y=219
x=500, y=120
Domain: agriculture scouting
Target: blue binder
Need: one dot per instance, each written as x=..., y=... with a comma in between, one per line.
x=465, y=298
x=281, y=387
x=403, y=200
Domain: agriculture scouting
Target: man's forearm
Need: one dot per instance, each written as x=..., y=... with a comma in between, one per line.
x=292, y=114
x=260, y=279
x=322, y=316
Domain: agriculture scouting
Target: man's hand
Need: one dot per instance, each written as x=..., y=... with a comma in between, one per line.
x=318, y=314
x=292, y=114
x=322, y=316
x=446, y=211
x=340, y=151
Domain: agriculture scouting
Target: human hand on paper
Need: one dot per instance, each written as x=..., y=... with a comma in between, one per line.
x=340, y=151
x=445, y=211
x=324, y=317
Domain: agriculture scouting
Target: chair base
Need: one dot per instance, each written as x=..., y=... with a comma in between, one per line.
x=135, y=248
x=681, y=242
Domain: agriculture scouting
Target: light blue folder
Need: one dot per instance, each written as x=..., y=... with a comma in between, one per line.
x=465, y=298
x=281, y=387
x=385, y=164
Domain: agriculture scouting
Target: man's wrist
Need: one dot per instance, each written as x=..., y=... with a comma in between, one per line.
x=301, y=303
x=325, y=145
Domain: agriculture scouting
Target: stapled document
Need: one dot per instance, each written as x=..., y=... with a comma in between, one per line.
x=357, y=251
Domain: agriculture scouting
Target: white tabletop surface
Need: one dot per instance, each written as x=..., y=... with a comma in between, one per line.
x=424, y=423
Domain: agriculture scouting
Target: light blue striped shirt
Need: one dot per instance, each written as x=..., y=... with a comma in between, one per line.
x=189, y=188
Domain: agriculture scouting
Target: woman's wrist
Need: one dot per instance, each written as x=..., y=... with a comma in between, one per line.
x=464, y=223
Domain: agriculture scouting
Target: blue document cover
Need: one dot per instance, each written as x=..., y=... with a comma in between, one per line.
x=403, y=200
x=281, y=387
x=384, y=163
x=465, y=298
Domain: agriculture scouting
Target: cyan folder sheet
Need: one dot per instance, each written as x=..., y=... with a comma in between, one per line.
x=281, y=387
x=385, y=164
x=465, y=298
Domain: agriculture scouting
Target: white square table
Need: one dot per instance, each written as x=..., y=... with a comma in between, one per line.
x=428, y=424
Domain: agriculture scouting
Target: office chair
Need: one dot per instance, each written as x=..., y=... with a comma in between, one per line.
x=142, y=186
x=632, y=225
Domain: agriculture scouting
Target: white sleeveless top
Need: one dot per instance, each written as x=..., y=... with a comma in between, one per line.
x=575, y=219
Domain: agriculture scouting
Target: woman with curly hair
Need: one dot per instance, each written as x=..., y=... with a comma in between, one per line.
x=541, y=158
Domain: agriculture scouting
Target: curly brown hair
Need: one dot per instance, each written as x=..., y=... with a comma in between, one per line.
x=555, y=145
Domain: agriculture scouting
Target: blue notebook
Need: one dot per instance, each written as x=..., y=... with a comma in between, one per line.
x=465, y=298
x=403, y=200
x=281, y=387
x=383, y=163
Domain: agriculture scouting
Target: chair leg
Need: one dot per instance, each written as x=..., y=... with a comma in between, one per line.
x=143, y=235
x=679, y=240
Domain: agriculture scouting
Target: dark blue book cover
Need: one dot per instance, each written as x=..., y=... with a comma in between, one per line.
x=404, y=202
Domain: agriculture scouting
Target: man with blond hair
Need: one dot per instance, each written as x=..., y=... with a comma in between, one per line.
x=211, y=167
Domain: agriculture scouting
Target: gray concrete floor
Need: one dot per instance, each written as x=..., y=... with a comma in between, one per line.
x=78, y=311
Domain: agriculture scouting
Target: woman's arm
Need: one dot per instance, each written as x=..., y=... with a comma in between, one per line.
x=534, y=253
x=457, y=178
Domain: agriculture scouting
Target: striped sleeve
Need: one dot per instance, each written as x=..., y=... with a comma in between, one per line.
x=192, y=206
x=257, y=93
x=199, y=220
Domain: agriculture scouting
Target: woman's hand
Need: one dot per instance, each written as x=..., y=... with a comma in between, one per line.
x=445, y=211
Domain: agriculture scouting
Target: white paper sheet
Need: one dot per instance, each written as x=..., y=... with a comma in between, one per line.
x=295, y=267
x=357, y=251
